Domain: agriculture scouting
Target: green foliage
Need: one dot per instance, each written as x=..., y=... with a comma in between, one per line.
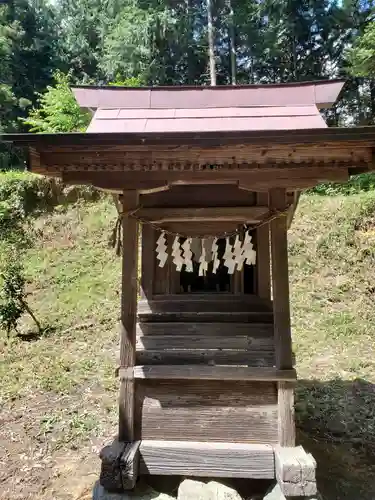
x=57, y=110
x=362, y=55
x=23, y=196
x=356, y=184
x=16, y=236
x=127, y=82
x=34, y=194
x=12, y=294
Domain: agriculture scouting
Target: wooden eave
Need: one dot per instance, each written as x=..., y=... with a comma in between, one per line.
x=294, y=159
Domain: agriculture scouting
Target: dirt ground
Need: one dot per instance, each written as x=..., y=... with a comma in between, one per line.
x=39, y=465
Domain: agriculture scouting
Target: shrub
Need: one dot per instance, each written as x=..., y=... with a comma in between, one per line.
x=356, y=184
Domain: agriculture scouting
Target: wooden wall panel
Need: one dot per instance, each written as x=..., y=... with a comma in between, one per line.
x=214, y=411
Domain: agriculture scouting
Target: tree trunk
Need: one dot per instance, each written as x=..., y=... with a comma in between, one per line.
x=232, y=38
x=211, y=47
x=30, y=312
x=190, y=44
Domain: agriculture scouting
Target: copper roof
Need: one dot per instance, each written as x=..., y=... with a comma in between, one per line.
x=208, y=109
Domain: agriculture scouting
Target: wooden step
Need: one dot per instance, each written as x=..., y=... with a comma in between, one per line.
x=256, y=357
x=215, y=297
x=201, y=372
x=217, y=316
x=169, y=342
x=201, y=305
x=252, y=331
x=192, y=458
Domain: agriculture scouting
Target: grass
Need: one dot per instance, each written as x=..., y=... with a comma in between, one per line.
x=332, y=261
x=59, y=392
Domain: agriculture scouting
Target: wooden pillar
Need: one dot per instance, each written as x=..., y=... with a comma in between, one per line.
x=129, y=291
x=148, y=261
x=263, y=277
x=281, y=312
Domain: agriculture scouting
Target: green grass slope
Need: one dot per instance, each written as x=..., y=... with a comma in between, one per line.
x=59, y=392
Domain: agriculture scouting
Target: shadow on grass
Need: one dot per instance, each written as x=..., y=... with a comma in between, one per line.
x=336, y=423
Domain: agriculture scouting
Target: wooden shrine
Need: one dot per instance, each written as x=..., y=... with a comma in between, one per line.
x=206, y=363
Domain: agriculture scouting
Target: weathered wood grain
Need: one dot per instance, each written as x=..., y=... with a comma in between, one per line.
x=169, y=342
x=207, y=459
x=190, y=305
x=194, y=372
x=220, y=411
x=114, y=176
x=255, y=331
x=249, y=299
x=260, y=356
x=206, y=317
x=246, y=156
x=128, y=314
x=287, y=430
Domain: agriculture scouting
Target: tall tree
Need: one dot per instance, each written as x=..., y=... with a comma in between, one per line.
x=232, y=43
x=211, y=42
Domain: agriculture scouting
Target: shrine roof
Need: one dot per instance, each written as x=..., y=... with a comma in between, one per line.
x=139, y=138
x=208, y=109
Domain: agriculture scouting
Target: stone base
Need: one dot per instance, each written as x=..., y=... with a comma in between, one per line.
x=275, y=493
x=142, y=492
x=198, y=490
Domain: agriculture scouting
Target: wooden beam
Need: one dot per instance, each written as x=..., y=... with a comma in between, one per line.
x=129, y=292
x=191, y=458
x=195, y=372
x=263, y=254
x=114, y=181
x=280, y=282
x=293, y=207
x=202, y=214
x=281, y=315
x=286, y=423
x=265, y=177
